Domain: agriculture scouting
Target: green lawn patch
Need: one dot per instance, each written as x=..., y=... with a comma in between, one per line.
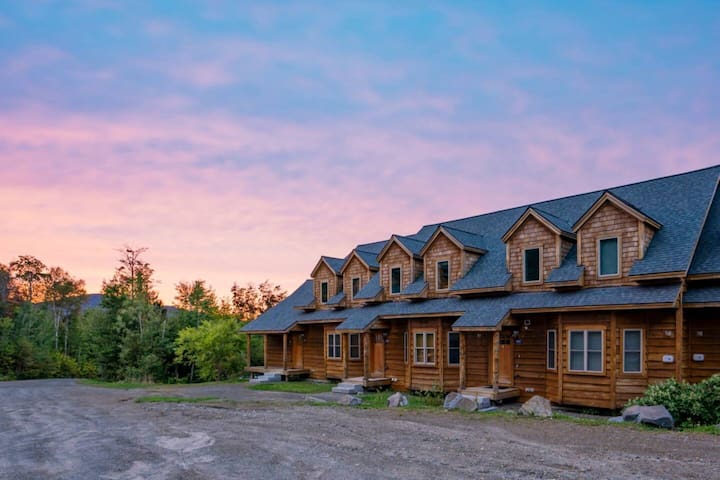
x=293, y=387
x=415, y=402
x=168, y=399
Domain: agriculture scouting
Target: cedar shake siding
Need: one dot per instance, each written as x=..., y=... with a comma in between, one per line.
x=395, y=257
x=441, y=249
x=355, y=269
x=324, y=274
x=532, y=234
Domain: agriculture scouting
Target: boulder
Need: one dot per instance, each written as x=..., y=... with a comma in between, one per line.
x=537, y=406
x=656, y=415
x=483, y=403
x=397, y=399
x=451, y=400
x=466, y=404
x=350, y=400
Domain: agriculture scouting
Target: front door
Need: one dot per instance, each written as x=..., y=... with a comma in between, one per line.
x=506, y=359
x=297, y=351
x=377, y=364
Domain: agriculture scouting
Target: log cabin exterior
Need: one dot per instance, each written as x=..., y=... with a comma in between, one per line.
x=585, y=300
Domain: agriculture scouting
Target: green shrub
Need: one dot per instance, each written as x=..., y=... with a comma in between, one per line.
x=689, y=404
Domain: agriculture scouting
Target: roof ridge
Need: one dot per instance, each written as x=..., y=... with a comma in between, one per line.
x=461, y=230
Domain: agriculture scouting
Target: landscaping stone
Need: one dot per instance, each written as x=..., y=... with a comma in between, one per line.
x=397, y=399
x=483, y=403
x=466, y=404
x=537, y=406
x=451, y=400
x=656, y=415
x=350, y=401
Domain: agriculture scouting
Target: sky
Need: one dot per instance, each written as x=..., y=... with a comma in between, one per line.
x=239, y=141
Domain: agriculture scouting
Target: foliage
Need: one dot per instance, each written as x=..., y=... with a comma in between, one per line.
x=415, y=401
x=214, y=347
x=250, y=301
x=293, y=387
x=689, y=404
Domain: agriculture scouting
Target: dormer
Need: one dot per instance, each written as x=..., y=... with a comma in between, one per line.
x=535, y=245
x=327, y=281
x=356, y=272
x=447, y=256
x=611, y=236
x=400, y=265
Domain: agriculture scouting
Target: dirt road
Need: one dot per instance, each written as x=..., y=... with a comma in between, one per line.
x=59, y=429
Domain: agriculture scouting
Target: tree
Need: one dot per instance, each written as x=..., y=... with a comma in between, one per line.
x=215, y=347
x=64, y=295
x=197, y=299
x=31, y=271
x=251, y=301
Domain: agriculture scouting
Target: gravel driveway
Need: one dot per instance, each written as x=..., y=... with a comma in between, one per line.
x=59, y=429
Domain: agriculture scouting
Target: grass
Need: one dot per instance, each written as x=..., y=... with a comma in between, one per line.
x=135, y=385
x=293, y=387
x=415, y=402
x=167, y=399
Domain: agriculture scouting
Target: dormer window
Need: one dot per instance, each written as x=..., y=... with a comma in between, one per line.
x=355, y=286
x=443, y=274
x=608, y=257
x=395, y=276
x=531, y=265
x=324, y=292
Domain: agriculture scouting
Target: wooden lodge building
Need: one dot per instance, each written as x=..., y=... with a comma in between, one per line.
x=585, y=300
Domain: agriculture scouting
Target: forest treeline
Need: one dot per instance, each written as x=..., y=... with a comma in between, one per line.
x=47, y=329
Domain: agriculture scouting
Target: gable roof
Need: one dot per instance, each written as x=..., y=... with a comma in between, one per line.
x=463, y=239
x=555, y=224
x=334, y=264
x=371, y=290
x=609, y=197
x=409, y=245
x=707, y=254
x=569, y=270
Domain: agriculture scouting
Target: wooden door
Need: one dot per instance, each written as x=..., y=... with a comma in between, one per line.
x=297, y=351
x=506, y=360
x=377, y=364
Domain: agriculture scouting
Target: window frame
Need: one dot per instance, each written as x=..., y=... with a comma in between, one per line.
x=639, y=352
x=437, y=275
x=424, y=348
x=554, y=357
x=350, y=346
x=399, y=269
x=539, y=280
x=324, y=295
x=585, y=351
x=449, y=363
x=618, y=245
x=336, y=344
x=352, y=287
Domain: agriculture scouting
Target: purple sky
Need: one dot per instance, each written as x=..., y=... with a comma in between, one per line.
x=240, y=141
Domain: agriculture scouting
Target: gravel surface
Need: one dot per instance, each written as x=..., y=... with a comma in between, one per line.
x=59, y=429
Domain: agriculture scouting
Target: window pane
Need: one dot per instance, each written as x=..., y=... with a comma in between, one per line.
x=430, y=340
x=532, y=265
x=609, y=256
x=594, y=341
x=419, y=340
x=632, y=340
x=454, y=356
x=443, y=275
x=632, y=362
x=594, y=362
x=551, y=350
x=419, y=355
x=577, y=341
x=453, y=340
x=577, y=361
x=430, y=355
x=324, y=292
x=355, y=286
x=395, y=281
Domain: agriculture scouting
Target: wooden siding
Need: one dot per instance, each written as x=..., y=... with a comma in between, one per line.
x=703, y=335
x=530, y=357
x=355, y=269
x=442, y=249
x=531, y=234
x=314, y=351
x=323, y=274
x=395, y=257
x=274, y=349
x=478, y=347
x=609, y=221
x=395, y=364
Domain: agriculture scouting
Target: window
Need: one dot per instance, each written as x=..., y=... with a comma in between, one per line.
x=443, y=275
x=586, y=350
x=395, y=274
x=453, y=348
x=632, y=351
x=608, y=261
x=405, y=347
x=425, y=348
x=354, y=346
x=531, y=265
x=355, y=286
x=552, y=349
x=324, y=292
x=334, y=346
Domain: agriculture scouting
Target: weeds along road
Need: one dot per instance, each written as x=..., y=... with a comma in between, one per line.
x=59, y=429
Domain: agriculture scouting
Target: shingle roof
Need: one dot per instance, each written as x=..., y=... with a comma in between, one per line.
x=707, y=254
x=416, y=287
x=335, y=264
x=562, y=224
x=569, y=270
x=371, y=290
x=706, y=294
x=412, y=244
x=336, y=299
x=466, y=239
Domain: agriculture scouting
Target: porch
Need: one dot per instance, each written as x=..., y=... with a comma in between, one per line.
x=286, y=373
x=369, y=382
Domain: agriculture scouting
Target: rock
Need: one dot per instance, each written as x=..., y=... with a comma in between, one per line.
x=350, y=400
x=451, y=400
x=483, y=403
x=537, y=406
x=466, y=404
x=397, y=399
x=656, y=415
x=488, y=409
x=619, y=419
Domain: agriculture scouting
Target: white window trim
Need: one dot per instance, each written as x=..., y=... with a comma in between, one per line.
x=425, y=347
x=619, y=256
x=547, y=349
x=437, y=276
x=448, y=348
x=352, y=280
x=585, y=351
x=396, y=267
x=642, y=345
x=539, y=248
x=327, y=347
x=327, y=291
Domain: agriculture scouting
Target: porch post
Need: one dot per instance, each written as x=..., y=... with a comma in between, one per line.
x=248, y=350
x=496, y=360
x=366, y=356
x=463, y=356
x=285, y=344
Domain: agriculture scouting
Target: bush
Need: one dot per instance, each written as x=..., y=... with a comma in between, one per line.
x=689, y=404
